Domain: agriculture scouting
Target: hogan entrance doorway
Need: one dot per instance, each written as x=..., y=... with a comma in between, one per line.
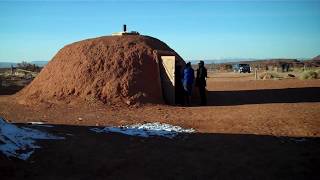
x=167, y=75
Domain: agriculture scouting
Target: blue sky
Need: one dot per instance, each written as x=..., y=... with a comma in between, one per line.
x=36, y=30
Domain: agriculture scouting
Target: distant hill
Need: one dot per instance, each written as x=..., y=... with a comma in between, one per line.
x=39, y=63
x=8, y=64
x=221, y=61
x=317, y=58
x=261, y=63
x=315, y=62
x=272, y=61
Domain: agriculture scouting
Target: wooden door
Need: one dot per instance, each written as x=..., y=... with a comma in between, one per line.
x=167, y=71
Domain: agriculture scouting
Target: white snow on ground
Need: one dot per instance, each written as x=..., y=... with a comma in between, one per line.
x=146, y=130
x=20, y=142
x=39, y=124
x=35, y=122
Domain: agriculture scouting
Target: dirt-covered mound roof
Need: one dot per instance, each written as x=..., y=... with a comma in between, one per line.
x=108, y=69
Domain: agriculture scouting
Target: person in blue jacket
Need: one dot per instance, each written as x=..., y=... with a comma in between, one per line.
x=187, y=81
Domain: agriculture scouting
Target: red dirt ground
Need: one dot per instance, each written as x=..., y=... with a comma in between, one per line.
x=250, y=130
x=270, y=107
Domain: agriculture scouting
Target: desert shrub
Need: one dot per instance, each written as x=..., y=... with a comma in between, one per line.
x=298, y=69
x=269, y=75
x=309, y=75
x=225, y=67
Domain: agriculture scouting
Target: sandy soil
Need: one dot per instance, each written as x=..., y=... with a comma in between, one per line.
x=250, y=129
x=271, y=107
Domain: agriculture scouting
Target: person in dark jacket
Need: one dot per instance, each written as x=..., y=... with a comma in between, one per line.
x=179, y=90
x=201, y=82
x=187, y=82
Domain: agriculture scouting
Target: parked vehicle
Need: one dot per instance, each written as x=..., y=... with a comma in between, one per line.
x=241, y=68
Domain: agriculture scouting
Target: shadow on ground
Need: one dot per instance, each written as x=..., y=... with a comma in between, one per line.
x=265, y=96
x=10, y=89
x=89, y=155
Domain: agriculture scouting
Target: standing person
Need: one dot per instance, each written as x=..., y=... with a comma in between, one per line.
x=188, y=78
x=179, y=90
x=201, y=82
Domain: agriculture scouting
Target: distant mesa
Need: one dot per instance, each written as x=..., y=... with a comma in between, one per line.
x=14, y=64
x=317, y=58
x=108, y=69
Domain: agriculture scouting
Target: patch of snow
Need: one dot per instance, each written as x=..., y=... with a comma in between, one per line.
x=40, y=124
x=20, y=142
x=35, y=122
x=146, y=130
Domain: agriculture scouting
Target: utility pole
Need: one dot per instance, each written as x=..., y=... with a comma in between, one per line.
x=255, y=74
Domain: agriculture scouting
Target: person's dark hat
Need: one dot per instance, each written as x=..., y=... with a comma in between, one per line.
x=201, y=62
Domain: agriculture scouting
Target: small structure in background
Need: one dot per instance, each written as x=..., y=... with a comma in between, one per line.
x=13, y=69
x=124, y=32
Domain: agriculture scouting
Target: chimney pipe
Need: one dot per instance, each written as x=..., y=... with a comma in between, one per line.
x=124, y=28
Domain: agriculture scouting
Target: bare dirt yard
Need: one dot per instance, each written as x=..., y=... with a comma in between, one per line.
x=251, y=129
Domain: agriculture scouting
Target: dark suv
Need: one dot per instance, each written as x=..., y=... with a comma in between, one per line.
x=242, y=68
